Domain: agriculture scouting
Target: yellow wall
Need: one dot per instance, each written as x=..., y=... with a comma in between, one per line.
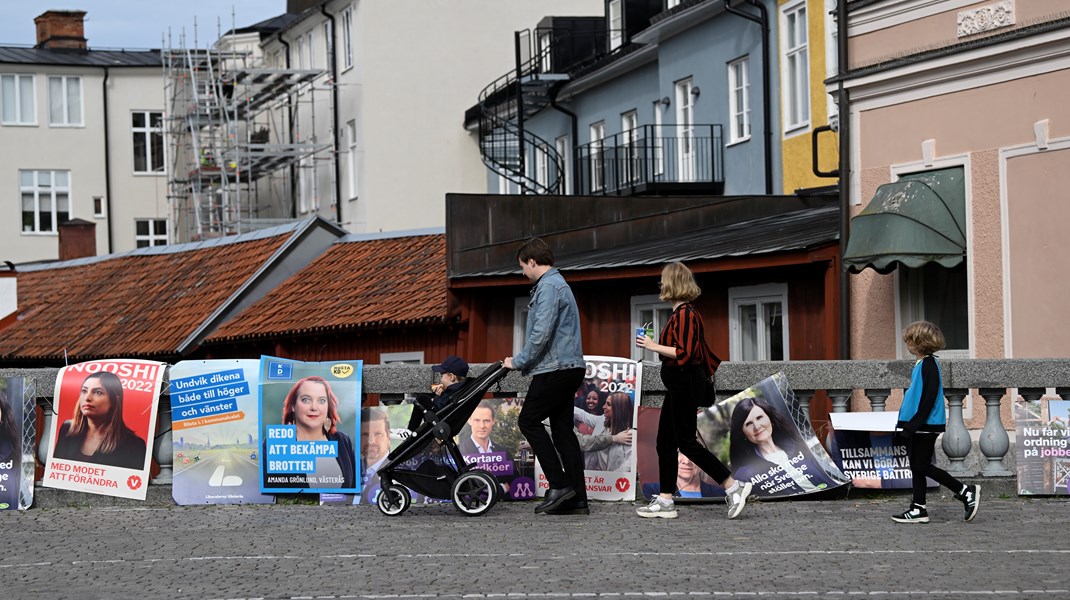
x=796, y=149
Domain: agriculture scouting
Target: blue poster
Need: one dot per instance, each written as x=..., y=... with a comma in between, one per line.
x=309, y=426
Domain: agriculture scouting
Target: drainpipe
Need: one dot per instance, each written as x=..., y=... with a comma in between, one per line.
x=332, y=59
x=843, y=106
x=575, y=131
x=290, y=127
x=107, y=164
x=762, y=19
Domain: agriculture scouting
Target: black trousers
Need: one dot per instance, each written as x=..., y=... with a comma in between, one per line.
x=685, y=388
x=550, y=396
x=920, y=449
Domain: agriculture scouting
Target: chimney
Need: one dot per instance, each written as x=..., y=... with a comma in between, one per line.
x=77, y=239
x=61, y=29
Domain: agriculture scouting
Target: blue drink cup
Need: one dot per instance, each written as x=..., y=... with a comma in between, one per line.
x=639, y=332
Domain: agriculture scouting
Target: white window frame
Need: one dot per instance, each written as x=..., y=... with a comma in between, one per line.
x=148, y=131
x=520, y=322
x=597, y=156
x=300, y=47
x=67, y=118
x=305, y=178
x=615, y=15
x=685, y=119
x=347, y=38
x=311, y=49
x=659, y=143
x=671, y=4
x=152, y=238
x=542, y=164
x=629, y=127
x=652, y=303
x=795, y=58
x=739, y=100
x=402, y=358
x=561, y=144
x=351, y=134
x=545, y=45
x=832, y=58
x=24, y=109
x=52, y=191
x=756, y=295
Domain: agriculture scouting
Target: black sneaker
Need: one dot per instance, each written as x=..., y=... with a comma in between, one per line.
x=970, y=500
x=916, y=514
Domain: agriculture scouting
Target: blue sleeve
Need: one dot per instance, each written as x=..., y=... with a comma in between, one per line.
x=542, y=317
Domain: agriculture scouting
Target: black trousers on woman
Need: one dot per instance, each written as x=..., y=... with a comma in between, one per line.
x=678, y=426
x=551, y=396
x=920, y=449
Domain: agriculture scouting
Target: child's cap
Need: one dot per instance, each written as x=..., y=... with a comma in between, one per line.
x=452, y=364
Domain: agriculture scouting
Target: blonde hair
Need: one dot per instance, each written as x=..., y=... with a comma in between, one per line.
x=677, y=283
x=923, y=336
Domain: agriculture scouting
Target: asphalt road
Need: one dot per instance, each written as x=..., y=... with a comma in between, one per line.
x=1016, y=548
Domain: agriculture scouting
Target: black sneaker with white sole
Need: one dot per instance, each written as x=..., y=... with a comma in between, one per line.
x=970, y=499
x=916, y=514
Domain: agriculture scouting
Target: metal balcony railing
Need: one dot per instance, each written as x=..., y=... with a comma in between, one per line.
x=650, y=158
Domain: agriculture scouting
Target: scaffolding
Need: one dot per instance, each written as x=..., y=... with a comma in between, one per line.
x=233, y=127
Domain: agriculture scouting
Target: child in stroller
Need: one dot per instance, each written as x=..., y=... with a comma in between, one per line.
x=472, y=491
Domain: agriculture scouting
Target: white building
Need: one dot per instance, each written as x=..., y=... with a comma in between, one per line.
x=82, y=138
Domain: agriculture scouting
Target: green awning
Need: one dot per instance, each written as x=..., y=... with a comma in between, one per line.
x=917, y=220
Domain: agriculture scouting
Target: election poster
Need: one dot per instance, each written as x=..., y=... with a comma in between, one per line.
x=308, y=425
x=215, y=435
x=1042, y=446
x=491, y=441
x=107, y=415
x=605, y=412
x=693, y=485
x=18, y=424
x=865, y=449
x=770, y=441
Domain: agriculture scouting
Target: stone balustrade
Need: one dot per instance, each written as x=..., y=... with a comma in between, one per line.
x=850, y=385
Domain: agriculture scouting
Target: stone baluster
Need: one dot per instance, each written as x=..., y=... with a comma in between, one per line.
x=877, y=399
x=47, y=431
x=994, y=442
x=163, y=448
x=840, y=399
x=956, y=441
x=804, y=397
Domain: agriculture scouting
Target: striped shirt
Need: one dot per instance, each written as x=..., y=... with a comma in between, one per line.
x=684, y=331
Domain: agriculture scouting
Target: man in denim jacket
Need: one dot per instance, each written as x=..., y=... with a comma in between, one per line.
x=553, y=356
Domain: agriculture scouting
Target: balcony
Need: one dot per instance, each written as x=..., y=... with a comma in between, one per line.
x=653, y=160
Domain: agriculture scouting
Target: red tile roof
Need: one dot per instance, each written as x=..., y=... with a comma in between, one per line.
x=356, y=283
x=139, y=304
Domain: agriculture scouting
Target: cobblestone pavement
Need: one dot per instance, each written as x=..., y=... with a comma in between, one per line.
x=1016, y=548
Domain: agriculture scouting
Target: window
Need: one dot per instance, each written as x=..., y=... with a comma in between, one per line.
x=305, y=178
x=311, y=48
x=65, y=100
x=150, y=232
x=542, y=165
x=671, y=4
x=686, y=125
x=758, y=322
x=347, y=37
x=546, y=63
x=598, y=176
x=629, y=125
x=520, y=323
x=653, y=311
x=937, y=294
x=301, y=53
x=659, y=143
x=796, y=75
x=561, y=144
x=616, y=19
x=739, y=100
x=98, y=207
x=327, y=39
x=46, y=200
x=17, y=92
x=832, y=58
x=147, y=128
x=351, y=134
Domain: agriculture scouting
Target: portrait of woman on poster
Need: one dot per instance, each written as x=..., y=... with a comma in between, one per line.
x=312, y=408
x=10, y=451
x=763, y=438
x=97, y=433
x=590, y=401
x=615, y=423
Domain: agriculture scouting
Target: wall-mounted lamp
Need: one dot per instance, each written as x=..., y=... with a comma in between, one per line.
x=695, y=91
x=665, y=101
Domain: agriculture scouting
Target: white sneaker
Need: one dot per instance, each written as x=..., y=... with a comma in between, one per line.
x=738, y=499
x=658, y=507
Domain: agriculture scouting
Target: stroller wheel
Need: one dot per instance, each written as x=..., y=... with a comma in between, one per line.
x=475, y=492
x=394, y=500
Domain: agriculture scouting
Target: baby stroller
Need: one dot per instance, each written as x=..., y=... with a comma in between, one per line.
x=472, y=491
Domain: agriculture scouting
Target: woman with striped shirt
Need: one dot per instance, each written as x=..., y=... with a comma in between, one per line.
x=686, y=364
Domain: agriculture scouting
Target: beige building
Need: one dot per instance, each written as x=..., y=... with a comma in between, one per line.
x=82, y=138
x=958, y=109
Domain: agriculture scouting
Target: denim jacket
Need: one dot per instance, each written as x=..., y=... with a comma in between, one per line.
x=552, y=341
